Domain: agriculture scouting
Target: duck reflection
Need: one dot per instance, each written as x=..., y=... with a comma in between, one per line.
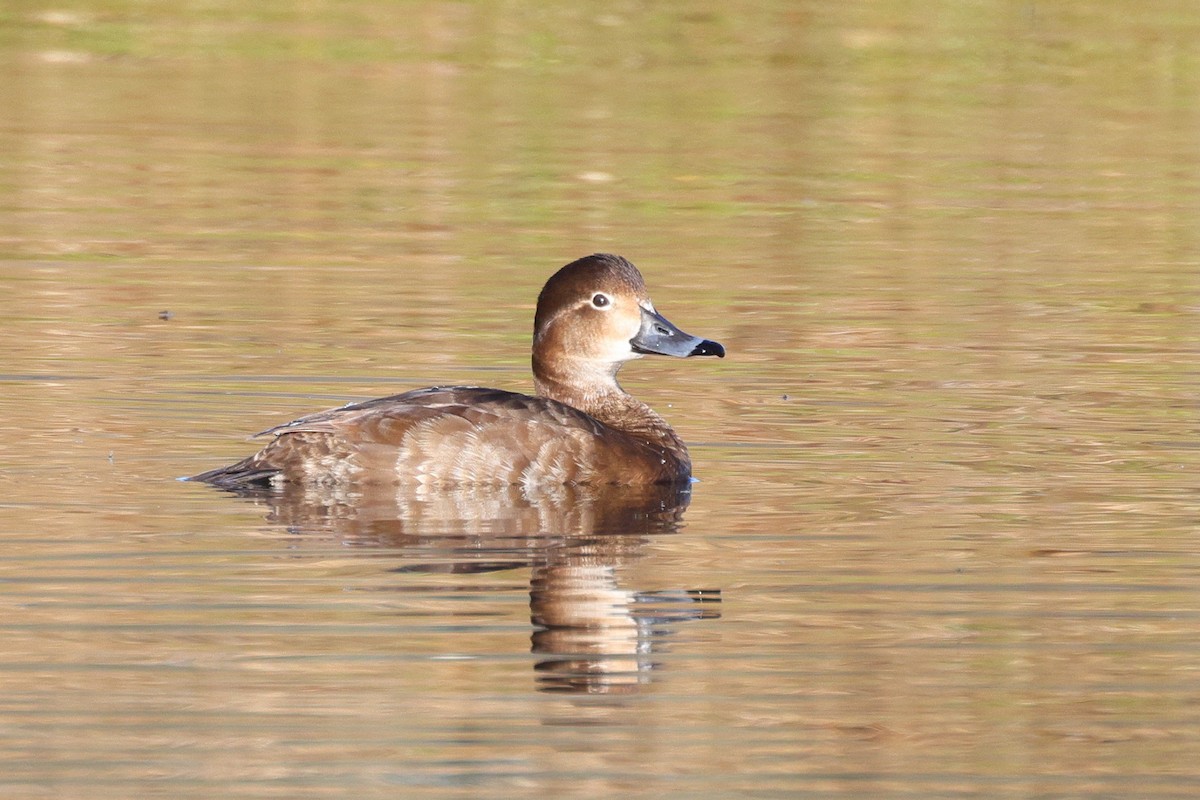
x=593, y=634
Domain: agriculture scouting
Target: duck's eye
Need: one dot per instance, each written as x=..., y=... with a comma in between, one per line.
x=600, y=300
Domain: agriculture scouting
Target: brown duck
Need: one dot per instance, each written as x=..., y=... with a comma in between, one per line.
x=592, y=316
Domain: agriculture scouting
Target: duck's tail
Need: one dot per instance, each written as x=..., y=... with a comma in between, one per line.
x=250, y=472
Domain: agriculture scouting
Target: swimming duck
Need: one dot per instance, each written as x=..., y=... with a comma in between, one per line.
x=592, y=316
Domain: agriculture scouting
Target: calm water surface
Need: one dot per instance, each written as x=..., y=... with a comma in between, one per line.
x=946, y=538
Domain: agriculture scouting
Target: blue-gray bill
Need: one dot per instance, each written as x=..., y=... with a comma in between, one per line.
x=659, y=335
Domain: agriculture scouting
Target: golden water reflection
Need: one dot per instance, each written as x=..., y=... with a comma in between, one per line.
x=950, y=492
x=592, y=634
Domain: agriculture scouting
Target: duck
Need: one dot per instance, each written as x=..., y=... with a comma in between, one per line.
x=578, y=428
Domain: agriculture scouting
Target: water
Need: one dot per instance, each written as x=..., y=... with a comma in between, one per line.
x=944, y=542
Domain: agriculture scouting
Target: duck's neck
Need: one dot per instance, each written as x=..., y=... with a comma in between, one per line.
x=601, y=397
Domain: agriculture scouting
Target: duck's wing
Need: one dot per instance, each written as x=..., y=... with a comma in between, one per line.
x=440, y=436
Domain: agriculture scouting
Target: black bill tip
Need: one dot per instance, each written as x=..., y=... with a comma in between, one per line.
x=708, y=348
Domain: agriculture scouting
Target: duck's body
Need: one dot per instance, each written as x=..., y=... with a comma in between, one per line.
x=581, y=428
x=455, y=435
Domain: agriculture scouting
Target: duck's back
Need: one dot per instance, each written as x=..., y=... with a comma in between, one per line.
x=453, y=435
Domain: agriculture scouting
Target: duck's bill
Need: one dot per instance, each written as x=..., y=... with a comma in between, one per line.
x=658, y=335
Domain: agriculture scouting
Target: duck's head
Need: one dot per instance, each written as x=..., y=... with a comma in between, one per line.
x=595, y=314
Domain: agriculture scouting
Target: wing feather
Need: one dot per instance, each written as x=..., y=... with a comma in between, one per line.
x=444, y=435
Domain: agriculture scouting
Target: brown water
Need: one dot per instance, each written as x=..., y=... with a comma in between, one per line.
x=946, y=539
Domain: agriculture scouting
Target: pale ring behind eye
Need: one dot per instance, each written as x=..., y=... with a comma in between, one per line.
x=601, y=300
